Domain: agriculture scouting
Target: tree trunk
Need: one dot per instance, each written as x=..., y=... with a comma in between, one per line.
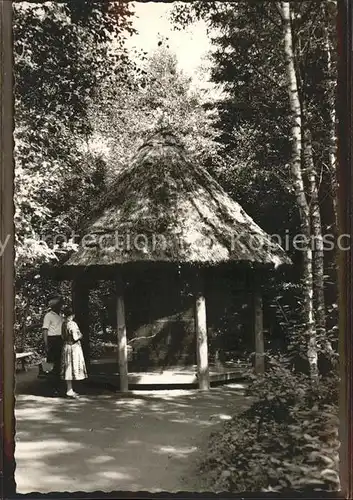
x=318, y=253
x=297, y=175
x=332, y=153
x=331, y=91
x=316, y=230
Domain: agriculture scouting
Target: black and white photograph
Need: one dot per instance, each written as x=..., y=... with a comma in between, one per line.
x=176, y=239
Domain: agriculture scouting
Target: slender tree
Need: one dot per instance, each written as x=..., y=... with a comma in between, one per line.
x=329, y=8
x=317, y=237
x=298, y=182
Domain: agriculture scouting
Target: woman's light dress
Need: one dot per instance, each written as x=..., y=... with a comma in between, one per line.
x=73, y=366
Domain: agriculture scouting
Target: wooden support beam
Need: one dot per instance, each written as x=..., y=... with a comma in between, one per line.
x=259, y=334
x=122, y=338
x=80, y=304
x=201, y=336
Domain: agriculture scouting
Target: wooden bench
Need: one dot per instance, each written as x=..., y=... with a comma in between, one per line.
x=23, y=358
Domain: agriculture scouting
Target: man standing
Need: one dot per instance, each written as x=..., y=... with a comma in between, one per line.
x=52, y=324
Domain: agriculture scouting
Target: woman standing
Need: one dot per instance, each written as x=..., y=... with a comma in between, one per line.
x=73, y=365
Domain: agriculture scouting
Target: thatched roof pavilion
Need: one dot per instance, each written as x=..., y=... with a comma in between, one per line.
x=165, y=209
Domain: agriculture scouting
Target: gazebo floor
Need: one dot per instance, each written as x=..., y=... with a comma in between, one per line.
x=106, y=371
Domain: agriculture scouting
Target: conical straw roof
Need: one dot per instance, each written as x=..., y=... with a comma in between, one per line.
x=166, y=208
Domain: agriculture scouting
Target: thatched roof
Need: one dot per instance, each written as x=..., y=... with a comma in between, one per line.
x=164, y=207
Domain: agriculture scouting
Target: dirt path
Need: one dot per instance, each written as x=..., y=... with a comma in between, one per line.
x=141, y=442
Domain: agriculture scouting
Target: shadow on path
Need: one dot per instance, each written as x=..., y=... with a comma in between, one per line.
x=142, y=441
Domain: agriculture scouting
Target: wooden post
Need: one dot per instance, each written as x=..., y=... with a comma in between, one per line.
x=122, y=339
x=80, y=304
x=259, y=334
x=201, y=337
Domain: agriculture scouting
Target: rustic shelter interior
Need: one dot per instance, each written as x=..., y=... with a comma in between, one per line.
x=185, y=259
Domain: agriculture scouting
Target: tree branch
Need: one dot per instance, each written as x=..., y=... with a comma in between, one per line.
x=269, y=77
x=269, y=18
x=278, y=6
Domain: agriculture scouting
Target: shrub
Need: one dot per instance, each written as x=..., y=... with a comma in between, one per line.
x=286, y=439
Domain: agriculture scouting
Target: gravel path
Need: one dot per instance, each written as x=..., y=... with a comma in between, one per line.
x=144, y=441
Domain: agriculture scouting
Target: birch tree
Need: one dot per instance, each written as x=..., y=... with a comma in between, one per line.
x=317, y=238
x=329, y=8
x=298, y=183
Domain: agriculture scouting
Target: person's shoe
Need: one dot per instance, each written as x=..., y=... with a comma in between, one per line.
x=72, y=395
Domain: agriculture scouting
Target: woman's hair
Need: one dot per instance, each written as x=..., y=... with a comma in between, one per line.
x=68, y=311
